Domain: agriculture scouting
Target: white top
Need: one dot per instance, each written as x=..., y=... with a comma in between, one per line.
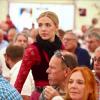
x=28, y=86
x=57, y=98
x=5, y=70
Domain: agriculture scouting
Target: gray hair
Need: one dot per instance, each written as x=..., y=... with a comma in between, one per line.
x=94, y=34
x=18, y=34
x=69, y=59
x=72, y=33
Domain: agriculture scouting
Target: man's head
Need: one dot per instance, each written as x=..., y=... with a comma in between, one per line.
x=21, y=39
x=59, y=66
x=13, y=54
x=97, y=61
x=70, y=41
x=93, y=40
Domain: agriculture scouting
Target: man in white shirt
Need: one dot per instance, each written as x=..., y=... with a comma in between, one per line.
x=13, y=62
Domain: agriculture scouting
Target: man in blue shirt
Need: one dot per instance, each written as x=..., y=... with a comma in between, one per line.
x=7, y=92
x=71, y=44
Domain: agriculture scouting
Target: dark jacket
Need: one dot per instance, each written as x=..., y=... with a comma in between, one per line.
x=83, y=57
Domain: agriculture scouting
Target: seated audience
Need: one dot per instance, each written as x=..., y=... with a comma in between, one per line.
x=60, y=65
x=7, y=92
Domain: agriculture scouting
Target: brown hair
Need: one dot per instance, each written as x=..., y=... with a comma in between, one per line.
x=14, y=52
x=50, y=15
x=90, y=83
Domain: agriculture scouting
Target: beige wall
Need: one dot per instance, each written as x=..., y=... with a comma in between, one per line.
x=92, y=11
x=44, y=1
x=4, y=4
x=3, y=9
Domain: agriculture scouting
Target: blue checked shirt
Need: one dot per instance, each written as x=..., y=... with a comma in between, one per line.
x=7, y=92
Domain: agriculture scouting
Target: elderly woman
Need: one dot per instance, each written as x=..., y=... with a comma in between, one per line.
x=81, y=85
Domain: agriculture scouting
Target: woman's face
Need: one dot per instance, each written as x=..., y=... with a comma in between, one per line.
x=76, y=86
x=46, y=28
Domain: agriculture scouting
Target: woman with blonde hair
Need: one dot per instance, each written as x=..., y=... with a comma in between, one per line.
x=38, y=54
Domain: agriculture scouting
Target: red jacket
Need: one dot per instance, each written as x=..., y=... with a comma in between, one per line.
x=32, y=60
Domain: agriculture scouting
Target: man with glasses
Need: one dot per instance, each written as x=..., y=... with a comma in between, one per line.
x=70, y=42
x=97, y=70
x=60, y=65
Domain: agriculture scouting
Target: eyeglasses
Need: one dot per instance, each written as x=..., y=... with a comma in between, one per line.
x=96, y=59
x=59, y=54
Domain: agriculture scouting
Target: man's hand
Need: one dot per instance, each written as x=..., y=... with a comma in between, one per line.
x=50, y=92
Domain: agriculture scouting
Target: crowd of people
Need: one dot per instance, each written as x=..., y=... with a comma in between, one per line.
x=49, y=63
